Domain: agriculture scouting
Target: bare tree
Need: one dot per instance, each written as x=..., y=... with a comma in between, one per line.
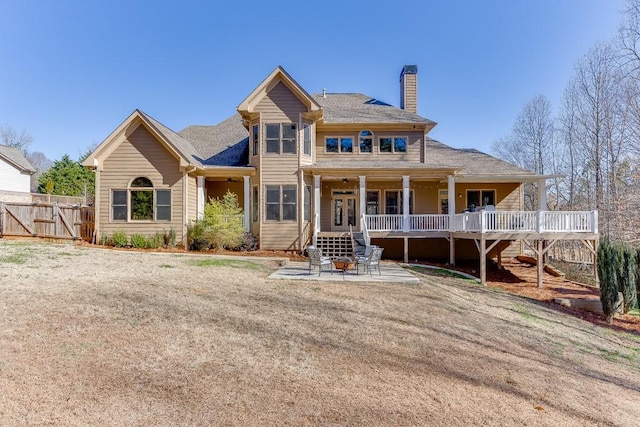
x=530, y=143
x=12, y=138
x=41, y=163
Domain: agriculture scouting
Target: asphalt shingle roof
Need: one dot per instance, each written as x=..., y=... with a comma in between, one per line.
x=225, y=144
x=359, y=108
x=15, y=156
x=185, y=147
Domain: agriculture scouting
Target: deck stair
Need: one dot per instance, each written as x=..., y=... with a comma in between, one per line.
x=359, y=244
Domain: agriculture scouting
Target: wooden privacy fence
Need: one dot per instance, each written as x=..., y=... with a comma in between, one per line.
x=48, y=220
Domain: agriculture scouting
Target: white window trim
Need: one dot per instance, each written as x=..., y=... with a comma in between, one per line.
x=412, y=198
x=280, y=139
x=128, y=190
x=255, y=145
x=393, y=149
x=280, y=204
x=339, y=137
x=366, y=202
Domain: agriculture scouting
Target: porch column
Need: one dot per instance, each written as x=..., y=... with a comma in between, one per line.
x=201, y=196
x=247, y=203
x=316, y=203
x=363, y=196
x=405, y=203
x=451, y=205
x=542, y=194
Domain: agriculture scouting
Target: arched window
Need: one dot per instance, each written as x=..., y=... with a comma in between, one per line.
x=366, y=141
x=141, y=195
x=141, y=202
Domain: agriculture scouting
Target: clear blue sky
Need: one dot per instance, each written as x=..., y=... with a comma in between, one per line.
x=71, y=71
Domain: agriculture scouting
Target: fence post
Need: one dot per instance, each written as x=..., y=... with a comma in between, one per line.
x=3, y=213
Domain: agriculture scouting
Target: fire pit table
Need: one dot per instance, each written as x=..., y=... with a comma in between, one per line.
x=343, y=264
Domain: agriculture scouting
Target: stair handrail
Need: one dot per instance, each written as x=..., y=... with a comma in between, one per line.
x=316, y=229
x=365, y=230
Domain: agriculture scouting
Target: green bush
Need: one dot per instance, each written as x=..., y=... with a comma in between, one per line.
x=223, y=222
x=608, y=267
x=627, y=276
x=195, y=237
x=119, y=239
x=249, y=243
x=139, y=241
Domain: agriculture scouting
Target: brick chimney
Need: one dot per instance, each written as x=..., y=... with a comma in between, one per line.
x=409, y=88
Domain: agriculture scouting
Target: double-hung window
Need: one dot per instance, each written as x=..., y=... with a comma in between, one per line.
x=281, y=138
x=281, y=202
x=366, y=141
x=393, y=144
x=255, y=136
x=140, y=202
x=478, y=198
x=307, y=139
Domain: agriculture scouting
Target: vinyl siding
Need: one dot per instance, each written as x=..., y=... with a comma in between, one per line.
x=414, y=145
x=192, y=210
x=280, y=105
x=11, y=179
x=141, y=155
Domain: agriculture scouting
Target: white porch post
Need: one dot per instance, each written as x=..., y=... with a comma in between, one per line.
x=363, y=196
x=247, y=203
x=405, y=203
x=542, y=194
x=201, y=196
x=451, y=203
x=316, y=206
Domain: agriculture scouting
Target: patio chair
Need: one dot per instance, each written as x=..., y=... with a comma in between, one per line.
x=317, y=259
x=370, y=260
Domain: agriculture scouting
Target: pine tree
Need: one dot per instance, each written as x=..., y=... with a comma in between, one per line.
x=608, y=272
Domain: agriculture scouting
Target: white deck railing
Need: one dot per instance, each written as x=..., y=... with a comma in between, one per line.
x=365, y=230
x=490, y=222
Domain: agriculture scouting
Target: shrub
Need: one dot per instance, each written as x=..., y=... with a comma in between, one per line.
x=627, y=276
x=172, y=237
x=156, y=241
x=608, y=272
x=195, y=237
x=249, y=243
x=139, y=241
x=223, y=222
x=119, y=239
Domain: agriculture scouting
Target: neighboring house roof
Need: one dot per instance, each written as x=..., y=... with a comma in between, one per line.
x=15, y=157
x=359, y=108
x=225, y=144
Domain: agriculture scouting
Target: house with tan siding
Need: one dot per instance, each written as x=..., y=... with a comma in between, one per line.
x=315, y=169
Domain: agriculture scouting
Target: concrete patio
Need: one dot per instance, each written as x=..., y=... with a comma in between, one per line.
x=389, y=273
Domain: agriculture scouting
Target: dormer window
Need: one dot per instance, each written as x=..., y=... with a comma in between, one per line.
x=366, y=141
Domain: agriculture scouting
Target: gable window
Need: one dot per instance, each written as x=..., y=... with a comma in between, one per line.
x=478, y=198
x=393, y=144
x=255, y=135
x=338, y=144
x=307, y=139
x=281, y=138
x=281, y=202
x=366, y=141
x=393, y=202
x=140, y=202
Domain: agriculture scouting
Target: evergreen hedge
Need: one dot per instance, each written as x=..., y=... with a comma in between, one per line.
x=608, y=271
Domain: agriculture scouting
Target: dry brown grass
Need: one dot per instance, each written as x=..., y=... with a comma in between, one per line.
x=100, y=337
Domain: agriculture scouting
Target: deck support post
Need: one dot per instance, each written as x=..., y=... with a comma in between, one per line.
x=452, y=249
x=247, y=203
x=483, y=260
x=406, y=226
x=406, y=250
x=540, y=256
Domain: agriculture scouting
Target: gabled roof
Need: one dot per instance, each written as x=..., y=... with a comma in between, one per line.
x=181, y=148
x=277, y=75
x=15, y=157
x=359, y=108
x=225, y=144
